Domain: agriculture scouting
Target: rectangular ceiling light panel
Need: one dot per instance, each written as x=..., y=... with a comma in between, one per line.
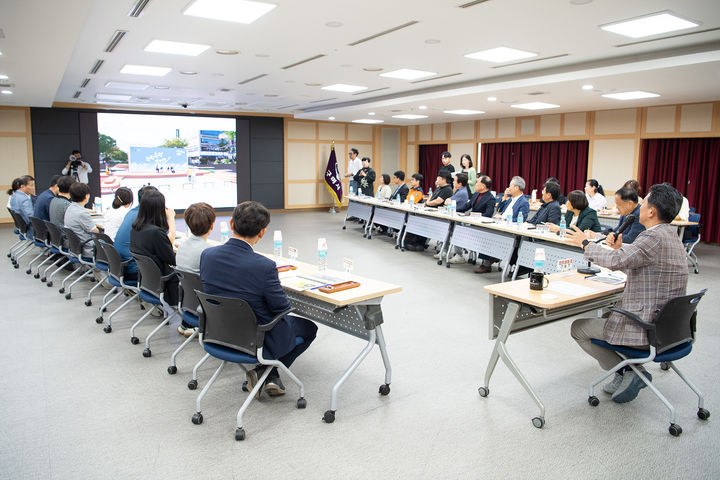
x=534, y=106
x=408, y=74
x=127, y=85
x=112, y=97
x=634, y=95
x=463, y=112
x=409, y=116
x=238, y=11
x=341, y=87
x=646, y=26
x=500, y=55
x=176, y=48
x=145, y=70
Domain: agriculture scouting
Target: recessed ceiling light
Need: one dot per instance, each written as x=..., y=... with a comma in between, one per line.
x=492, y=99
x=432, y=41
x=127, y=85
x=240, y=11
x=113, y=97
x=534, y=106
x=587, y=87
x=463, y=112
x=409, y=116
x=423, y=107
x=225, y=90
x=331, y=118
x=187, y=72
x=634, y=95
x=371, y=113
x=3, y=77
x=145, y=70
x=161, y=87
x=408, y=74
x=367, y=120
x=341, y=87
x=6, y=92
x=372, y=69
x=221, y=51
x=500, y=55
x=334, y=24
x=271, y=95
x=176, y=48
x=645, y=26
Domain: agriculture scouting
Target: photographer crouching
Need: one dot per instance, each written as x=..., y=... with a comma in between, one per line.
x=77, y=168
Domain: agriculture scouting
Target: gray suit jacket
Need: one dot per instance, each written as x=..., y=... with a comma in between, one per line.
x=656, y=270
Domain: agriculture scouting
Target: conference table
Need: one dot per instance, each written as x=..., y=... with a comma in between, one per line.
x=515, y=308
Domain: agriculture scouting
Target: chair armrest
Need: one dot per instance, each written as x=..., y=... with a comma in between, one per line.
x=635, y=319
x=274, y=321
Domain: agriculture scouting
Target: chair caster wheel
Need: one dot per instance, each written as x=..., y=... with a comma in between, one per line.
x=43, y=279
x=664, y=366
x=396, y=247
x=402, y=249
x=28, y=271
x=17, y=265
x=192, y=384
x=301, y=403
x=240, y=434
x=344, y=227
x=538, y=422
x=484, y=391
x=49, y=284
x=364, y=235
x=593, y=401
x=147, y=353
x=703, y=414
x=62, y=290
x=439, y=262
x=134, y=340
x=88, y=303
x=384, y=389
x=329, y=416
x=197, y=419
x=172, y=369
x=244, y=386
x=68, y=296
x=99, y=320
x=447, y=265
x=37, y=275
x=107, y=329
x=675, y=430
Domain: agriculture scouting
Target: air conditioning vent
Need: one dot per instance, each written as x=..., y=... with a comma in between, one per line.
x=85, y=83
x=138, y=8
x=370, y=91
x=114, y=40
x=77, y=94
x=472, y=4
x=324, y=100
x=303, y=61
x=437, y=78
x=252, y=79
x=96, y=67
x=385, y=32
x=531, y=61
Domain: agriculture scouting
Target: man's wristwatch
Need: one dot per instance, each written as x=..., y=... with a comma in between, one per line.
x=585, y=243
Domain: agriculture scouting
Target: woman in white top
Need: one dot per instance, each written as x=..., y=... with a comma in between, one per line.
x=384, y=191
x=467, y=167
x=595, y=195
x=120, y=206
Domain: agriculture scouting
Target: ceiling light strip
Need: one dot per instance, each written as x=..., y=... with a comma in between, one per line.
x=85, y=83
x=370, y=91
x=303, y=61
x=437, y=78
x=96, y=67
x=138, y=8
x=385, y=32
x=77, y=94
x=667, y=38
x=324, y=100
x=472, y=4
x=114, y=40
x=252, y=79
x=287, y=106
x=531, y=61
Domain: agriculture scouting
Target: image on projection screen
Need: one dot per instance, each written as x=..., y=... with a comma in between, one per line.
x=189, y=159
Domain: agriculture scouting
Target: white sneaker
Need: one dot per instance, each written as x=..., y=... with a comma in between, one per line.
x=437, y=255
x=457, y=259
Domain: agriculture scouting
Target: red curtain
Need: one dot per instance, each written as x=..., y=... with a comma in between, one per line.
x=429, y=163
x=535, y=162
x=692, y=165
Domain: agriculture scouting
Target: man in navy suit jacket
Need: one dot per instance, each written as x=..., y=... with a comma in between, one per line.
x=515, y=199
x=402, y=190
x=626, y=201
x=550, y=211
x=482, y=200
x=235, y=270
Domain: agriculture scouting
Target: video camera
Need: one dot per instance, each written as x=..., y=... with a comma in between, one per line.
x=75, y=163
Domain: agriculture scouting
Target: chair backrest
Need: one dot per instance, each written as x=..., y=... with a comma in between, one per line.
x=114, y=260
x=56, y=235
x=19, y=222
x=100, y=256
x=675, y=322
x=74, y=243
x=41, y=231
x=189, y=282
x=151, y=278
x=229, y=322
x=692, y=233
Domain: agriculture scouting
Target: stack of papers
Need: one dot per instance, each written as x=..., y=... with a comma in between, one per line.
x=301, y=283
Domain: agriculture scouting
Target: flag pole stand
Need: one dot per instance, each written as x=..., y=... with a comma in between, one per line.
x=332, y=209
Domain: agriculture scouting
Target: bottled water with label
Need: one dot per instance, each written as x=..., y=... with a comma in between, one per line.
x=277, y=244
x=322, y=254
x=563, y=226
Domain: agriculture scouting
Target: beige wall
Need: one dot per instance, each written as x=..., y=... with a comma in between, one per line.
x=15, y=150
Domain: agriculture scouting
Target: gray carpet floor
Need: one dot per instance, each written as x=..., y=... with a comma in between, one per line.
x=78, y=403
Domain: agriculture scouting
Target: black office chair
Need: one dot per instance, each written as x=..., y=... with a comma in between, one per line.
x=22, y=241
x=152, y=291
x=100, y=263
x=41, y=238
x=691, y=239
x=116, y=279
x=25, y=244
x=671, y=337
x=85, y=264
x=57, y=242
x=188, y=304
x=229, y=331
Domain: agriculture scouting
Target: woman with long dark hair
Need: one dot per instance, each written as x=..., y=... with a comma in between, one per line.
x=120, y=207
x=595, y=195
x=152, y=235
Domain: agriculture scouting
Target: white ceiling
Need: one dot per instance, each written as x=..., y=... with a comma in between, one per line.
x=49, y=48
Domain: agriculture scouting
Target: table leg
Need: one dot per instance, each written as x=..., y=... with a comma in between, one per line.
x=681, y=232
x=385, y=358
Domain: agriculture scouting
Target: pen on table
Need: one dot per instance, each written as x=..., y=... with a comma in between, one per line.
x=321, y=286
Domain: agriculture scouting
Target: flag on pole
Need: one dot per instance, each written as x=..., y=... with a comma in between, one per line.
x=332, y=177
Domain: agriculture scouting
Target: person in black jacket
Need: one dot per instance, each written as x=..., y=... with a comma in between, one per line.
x=152, y=235
x=448, y=167
x=402, y=190
x=550, y=209
x=365, y=178
x=482, y=200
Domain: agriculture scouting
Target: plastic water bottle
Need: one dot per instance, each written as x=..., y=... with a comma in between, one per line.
x=563, y=226
x=452, y=208
x=224, y=232
x=411, y=201
x=98, y=205
x=539, y=265
x=277, y=244
x=520, y=220
x=508, y=217
x=429, y=192
x=533, y=196
x=322, y=254
x=350, y=191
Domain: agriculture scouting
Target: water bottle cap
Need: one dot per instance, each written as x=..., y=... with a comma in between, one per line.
x=322, y=244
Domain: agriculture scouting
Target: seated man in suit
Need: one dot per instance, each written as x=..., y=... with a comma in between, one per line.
x=42, y=203
x=402, y=190
x=550, y=209
x=235, y=270
x=482, y=201
x=656, y=270
x=561, y=198
x=21, y=202
x=626, y=201
x=514, y=201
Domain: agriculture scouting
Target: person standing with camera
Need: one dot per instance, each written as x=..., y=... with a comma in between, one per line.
x=77, y=168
